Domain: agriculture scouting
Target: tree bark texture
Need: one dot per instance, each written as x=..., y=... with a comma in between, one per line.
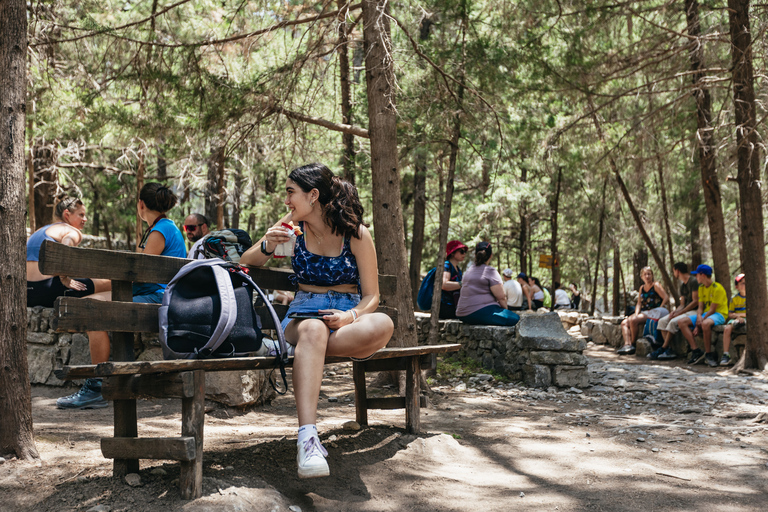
x=347, y=139
x=523, y=239
x=704, y=137
x=139, y=185
x=16, y=434
x=212, y=185
x=750, y=194
x=385, y=174
x=616, y=278
x=419, y=217
x=554, y=206
x=45, y=184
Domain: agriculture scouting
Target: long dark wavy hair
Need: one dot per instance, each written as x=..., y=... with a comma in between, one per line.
x=342, y=210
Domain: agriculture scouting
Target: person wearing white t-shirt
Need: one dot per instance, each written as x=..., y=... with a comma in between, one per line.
x=562, y=301
x=513, y=290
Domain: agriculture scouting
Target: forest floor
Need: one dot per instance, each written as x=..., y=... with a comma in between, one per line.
x=659, y=436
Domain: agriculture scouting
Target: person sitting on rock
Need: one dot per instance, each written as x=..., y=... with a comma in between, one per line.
x=737, y=316
x=537, y=292
x=688, y=300
x=562, y=301
x=522, y=278
x=651, y=299
x=513, y=291
x=482, y=300
x=575, y=296
x=712, y=310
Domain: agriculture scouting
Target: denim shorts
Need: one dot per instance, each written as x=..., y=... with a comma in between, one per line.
x=150, y=298
x=308, y=301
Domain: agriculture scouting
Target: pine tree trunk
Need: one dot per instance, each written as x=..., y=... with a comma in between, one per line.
x=523, y=225
x=616, y=278
x=348, y=140
x=419, y=216
x=710, y=184
x=748, y=157
x=385, y=174
x=554, y=206
x=16, y=434
x=593, y=302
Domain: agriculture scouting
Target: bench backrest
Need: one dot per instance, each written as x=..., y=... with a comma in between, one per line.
x=122, y=268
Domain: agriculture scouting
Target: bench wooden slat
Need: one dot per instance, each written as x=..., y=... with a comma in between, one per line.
x=124, y=387
x=112, y=368
x=391, y=402
x=72, y=314
x=60, y=259
x=170, y=448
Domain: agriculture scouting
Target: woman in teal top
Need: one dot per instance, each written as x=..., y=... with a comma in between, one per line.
x=163, y=238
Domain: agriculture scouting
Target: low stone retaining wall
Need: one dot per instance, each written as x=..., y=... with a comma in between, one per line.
x=537, y=350
x=48, y=350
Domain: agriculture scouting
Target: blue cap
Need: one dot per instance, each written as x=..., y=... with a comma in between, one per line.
x=522, y=275
x=703, y=269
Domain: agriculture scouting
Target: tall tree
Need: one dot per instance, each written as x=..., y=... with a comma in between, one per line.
x=750, y=193
x=385, y=171
x=16, y=434
x=704, y=136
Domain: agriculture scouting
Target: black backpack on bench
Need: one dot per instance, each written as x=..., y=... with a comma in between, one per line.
x=207, y=312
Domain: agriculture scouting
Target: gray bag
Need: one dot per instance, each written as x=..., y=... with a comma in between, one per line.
x=207, y=312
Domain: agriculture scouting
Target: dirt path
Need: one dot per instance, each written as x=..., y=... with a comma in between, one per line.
x=616, y=446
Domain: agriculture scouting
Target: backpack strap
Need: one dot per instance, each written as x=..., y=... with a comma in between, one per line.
x=228, y=315
x=282, y=356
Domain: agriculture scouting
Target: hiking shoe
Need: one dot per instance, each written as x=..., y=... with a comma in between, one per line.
x=711, y=359
x=626, y=350
x=652, y=340
x=696, y=356
x=88, y=397
x=667, y=354
x=726, y=360
x=655, y=354
x=311, y=459
x=270, y=348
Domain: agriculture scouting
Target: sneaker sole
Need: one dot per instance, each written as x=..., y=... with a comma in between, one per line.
x=696, y=361
x=98, y=405
x=315, y=472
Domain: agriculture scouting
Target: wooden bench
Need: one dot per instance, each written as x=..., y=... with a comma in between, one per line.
x=126, y=380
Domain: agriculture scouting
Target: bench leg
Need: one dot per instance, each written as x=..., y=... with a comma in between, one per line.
x=412, y=392
x=361, y=397
x=125, y=426
x=192, y=423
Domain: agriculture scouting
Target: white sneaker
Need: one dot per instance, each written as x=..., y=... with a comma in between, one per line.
x=311, y=459
x=269, y=348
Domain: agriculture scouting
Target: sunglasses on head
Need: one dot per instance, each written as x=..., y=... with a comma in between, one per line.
x=191, y=227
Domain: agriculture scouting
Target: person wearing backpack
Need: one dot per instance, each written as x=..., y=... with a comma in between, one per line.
x=163, y=238
x=335, y=268
x=196, y=227
x=455, y=252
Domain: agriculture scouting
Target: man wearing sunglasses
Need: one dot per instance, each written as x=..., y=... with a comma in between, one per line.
x=196, y=227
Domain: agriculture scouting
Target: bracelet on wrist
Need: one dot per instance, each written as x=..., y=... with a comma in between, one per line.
x=354, y=314
x=264, y=248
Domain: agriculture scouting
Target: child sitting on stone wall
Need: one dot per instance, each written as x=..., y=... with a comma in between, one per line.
x=737, y=315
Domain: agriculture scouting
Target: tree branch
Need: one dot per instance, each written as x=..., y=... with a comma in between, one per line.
x=338, y=127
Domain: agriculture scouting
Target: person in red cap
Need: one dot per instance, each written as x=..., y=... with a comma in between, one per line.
x=455, y=252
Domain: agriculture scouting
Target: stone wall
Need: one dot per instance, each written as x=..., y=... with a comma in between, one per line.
x=538, y=350
x=48, y=350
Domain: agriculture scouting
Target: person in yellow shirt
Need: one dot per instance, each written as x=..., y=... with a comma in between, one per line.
x=737, y=315
x=713, y=308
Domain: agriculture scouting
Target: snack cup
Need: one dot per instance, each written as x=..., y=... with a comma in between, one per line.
x=285, y=249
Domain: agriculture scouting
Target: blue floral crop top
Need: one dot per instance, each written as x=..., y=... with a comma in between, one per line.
x=314, y=269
